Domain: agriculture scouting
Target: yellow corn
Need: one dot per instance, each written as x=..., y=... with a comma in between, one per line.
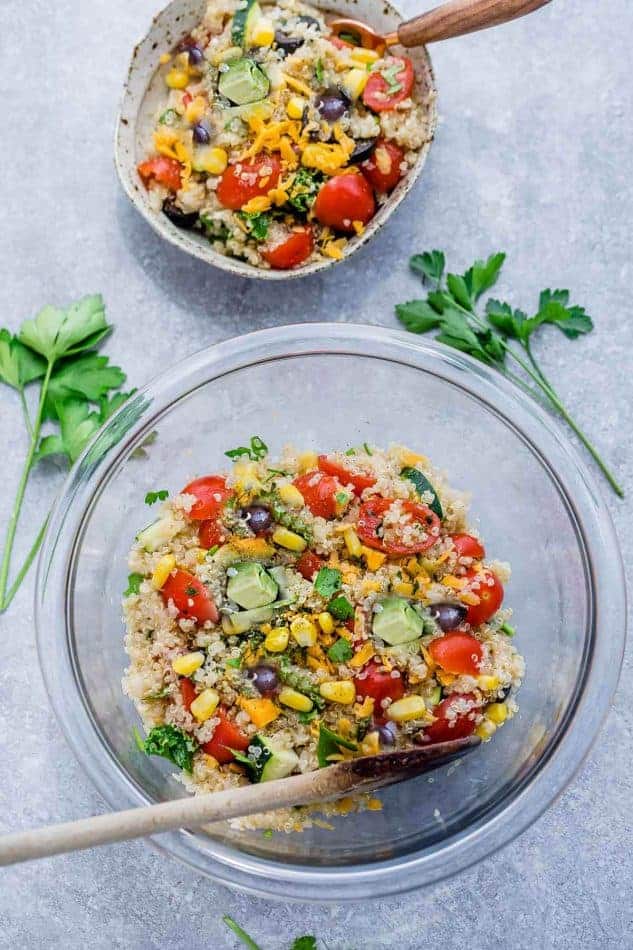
x=213, y=161
x=295, y=700
x=371, y=587
x=177, y=79
x=308, y=460
x=362, y=656
x=354, y=82
x=370, y=744
x=295, y=107
x=205, y=704
x=374, y=559
x=497, y=713
x=413, y=566
x=487, y=682
x=373, y=804
x=162, y=571
x=338, y=691
x=261, y=711
x=277, y=640
x=304, y=631
x=164, y=58
x=195, y=110
x=288, y=539
x=291, y=496
x=409, y=707
x=263, y=33
x=211, y=762
x=361, y=55
x=403, y=589
x=485, y=729
x=257, y=548
x=409, y=458
x=188, y=663
x=201, y=556
x=326, y=622
x=352, y=543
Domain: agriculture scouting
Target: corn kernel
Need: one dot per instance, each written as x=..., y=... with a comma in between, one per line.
x=361, y=55
x=195, y=110
x=263, y=33
x=486, y=729
x=201, y=556
x=371, y=587
x=277, y=640
x=362, y=656
x=497, y=713
x=304, y=631
x=326, y=622
x=487, y=682
x=354, y=82
x=211, y=762
x=177, y=79
x=288, y=539
x=308, y=461
x=352, y=543
x=409, y=459
x=373, y=804
x=294, y=700
x=291, y=496
x=205, y=704
x=409, y=707
x=295, y=107
x=261, y=711
x=403, y=588
x=413, y=566
x=338, y=691
x=188, y=663
x=213, y=161
x=162, y=571
x=164, y=58
x=374, y=559
x=370, y=744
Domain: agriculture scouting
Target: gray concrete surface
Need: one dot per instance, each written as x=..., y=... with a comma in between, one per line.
x=533, y=156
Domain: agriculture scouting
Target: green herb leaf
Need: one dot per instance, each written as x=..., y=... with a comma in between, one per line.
x=213, y=229
x=304, y=943
x=327, y=582
x=422, y=485
x=340, y=608
x=318, y=71
x=77, y=427
x=257, y=224
x=331, y=744
x=169, y=117
x=18, y=364
x=234, y=662
x=483, y=275
x=508, y=321
x=55, y=333
x=304, y=189
x=89, y=375
x=133, y=584
x=341, y=651
x=306, y=717
x=459, y=290
x=430, y=265
x=109, y=405
x=253, y=760
x=153, y=496
x=255, y=452
x=367, y=449
x=508, y=629
x=173, y=744
x=240, y=933
x=417, y=316
x=553, y=308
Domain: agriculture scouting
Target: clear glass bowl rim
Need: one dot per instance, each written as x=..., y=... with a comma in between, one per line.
x=604, y=643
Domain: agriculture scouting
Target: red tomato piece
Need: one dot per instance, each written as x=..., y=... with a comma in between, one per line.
x=343, y=200
x=345, y=477
x=161, y=170
x=190, y=596
x=489, y=589
x=211, y=533
x=293, y=248
x=227, y=736
x=377, y=95
x=455, y=719
x=319, y=493
x=458, y=653
x=309, y=564
x=211, y=494
x=468, y=546
x=242, y=181
x=187, y=691
x=383, y=167
x=186, y=99
x=391, y=541
x=379, y=684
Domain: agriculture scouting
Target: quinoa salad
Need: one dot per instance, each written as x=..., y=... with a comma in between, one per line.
x=291, y=613
x=276, y=140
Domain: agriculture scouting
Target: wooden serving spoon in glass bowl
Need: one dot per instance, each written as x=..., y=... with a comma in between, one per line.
x=442, y=23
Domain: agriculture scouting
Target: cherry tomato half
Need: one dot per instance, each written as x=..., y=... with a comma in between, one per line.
x=187, y=691
x=309, y=564
x=343, y=200
x=383, y=167
x=319, y=493
x=211, y=494
x=161, y=171
x=190, y=596
x=242, y=181
x=376, y=94
x=455, y=719
x=458, y=653
x=468, y=546
x=489, y=589
x=211, y=533
x=293, y=248
x=345, y=477
x=227, y=736
x=391, y=541
x=379, y=684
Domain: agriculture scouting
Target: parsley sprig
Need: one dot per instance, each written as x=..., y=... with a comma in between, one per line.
x=502, y=334
x=77, y=393
x=307, y=942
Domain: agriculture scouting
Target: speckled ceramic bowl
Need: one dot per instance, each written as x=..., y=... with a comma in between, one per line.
x=144, y=89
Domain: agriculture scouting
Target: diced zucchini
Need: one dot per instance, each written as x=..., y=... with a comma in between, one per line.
x=244, y=620
x=422, y=484
x=282, y=761
x=157, y=534
x=243, y=21
x=243, y=82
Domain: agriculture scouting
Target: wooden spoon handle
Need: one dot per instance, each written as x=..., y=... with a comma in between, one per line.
x=462, y=16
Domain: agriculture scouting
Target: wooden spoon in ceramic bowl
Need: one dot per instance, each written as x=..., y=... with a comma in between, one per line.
x=442, y=23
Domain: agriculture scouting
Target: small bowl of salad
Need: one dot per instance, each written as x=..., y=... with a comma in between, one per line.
x=253, y=138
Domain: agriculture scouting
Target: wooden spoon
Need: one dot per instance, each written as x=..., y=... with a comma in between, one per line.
x=344, y=778
x=442, y=23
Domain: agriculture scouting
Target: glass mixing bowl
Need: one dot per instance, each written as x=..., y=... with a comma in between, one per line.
x=329, y=385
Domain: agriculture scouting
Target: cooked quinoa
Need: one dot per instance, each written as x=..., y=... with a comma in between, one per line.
x=276, y=140
x=288, y=614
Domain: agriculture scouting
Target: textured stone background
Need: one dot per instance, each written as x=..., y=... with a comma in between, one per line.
x=533, y=156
